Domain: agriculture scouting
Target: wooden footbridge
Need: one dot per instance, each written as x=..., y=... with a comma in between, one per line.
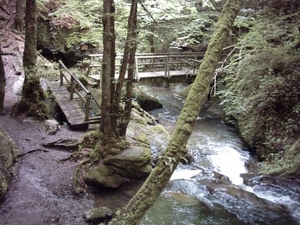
x=75, y=99
x=153, y=65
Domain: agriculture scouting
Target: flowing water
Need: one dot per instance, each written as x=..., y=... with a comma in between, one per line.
x=200, y=193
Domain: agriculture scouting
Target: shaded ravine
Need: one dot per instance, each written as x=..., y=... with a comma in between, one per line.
x=197, y=193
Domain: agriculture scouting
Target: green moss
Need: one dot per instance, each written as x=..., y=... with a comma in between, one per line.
x=159, y=129
x=143, y=139
x=8, y=152
x=287, y=164
x=39, y=110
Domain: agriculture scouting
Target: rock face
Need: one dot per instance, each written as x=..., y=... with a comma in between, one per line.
x=222, y=184
x=97, y=215
x=8, y=153
x=133, y=163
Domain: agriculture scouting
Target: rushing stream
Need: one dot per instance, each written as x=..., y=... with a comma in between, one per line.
x=200, y=193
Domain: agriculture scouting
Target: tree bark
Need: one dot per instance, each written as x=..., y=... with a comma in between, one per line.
x=19, y=17
x=108, y=66
x=31, y=91
x=129, y=56
x=133, y=212
x=33, y=95
x=131, y=69
x=30, y=52
x=2, y=82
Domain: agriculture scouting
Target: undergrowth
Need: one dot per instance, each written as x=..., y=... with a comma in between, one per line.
x=262, y=87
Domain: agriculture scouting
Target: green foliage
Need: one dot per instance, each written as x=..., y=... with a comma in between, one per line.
x=165, y=22
x=263, y=86
x=287, y=165
x=174, y=23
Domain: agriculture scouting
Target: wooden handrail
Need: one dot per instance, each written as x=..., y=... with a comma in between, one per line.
x=181, y=60
x=74, y=77
x=73, y=82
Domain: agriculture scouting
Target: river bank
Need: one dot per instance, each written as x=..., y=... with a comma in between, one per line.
x=228, y=188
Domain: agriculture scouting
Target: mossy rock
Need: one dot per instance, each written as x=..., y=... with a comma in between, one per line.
x=102, y=176
x=133, y=163
x=185, y=92
x=8, y=152
x=146, y=101
x=97, y=215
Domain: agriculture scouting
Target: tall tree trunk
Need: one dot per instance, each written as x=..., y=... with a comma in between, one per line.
x=19, y=17
x=30, y=52
x=129, y=56
x=2, y=82
x=129, y=86
x=108, y=66
x=151, y=40
x=31, y=89
x=133, y=212
x=31, y=103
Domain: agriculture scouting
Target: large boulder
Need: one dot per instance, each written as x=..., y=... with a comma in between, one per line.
x=102, y=176
x=134, y=163
x=147, y=141
x=131, y=164
x=8, y=152
x=145, y=100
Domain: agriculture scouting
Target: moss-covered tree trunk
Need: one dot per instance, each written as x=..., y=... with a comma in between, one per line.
x=2, y=82
x=133, y=212
x=108, y=66
x=31, y=103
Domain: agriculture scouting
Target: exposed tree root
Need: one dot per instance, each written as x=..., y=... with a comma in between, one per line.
x=31, y=151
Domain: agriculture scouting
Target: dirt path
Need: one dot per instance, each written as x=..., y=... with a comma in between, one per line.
x=41, y=192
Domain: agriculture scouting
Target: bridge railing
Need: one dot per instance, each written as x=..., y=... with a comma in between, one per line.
x=75, y=87
x=152, y=62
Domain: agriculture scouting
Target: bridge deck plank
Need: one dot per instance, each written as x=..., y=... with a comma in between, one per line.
x=70, y=108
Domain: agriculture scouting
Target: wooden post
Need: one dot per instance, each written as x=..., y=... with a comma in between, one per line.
x=89, y=68
x=61, y=75
x=101, y=73
x=136, y=69
x=195, y=64
x=72, y=88
x=215, y=85
x=167, y=67
x=87, y=106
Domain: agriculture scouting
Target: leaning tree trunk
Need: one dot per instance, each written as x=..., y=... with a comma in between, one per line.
x=2, y=82
x=133, y=212
x=31, y=103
